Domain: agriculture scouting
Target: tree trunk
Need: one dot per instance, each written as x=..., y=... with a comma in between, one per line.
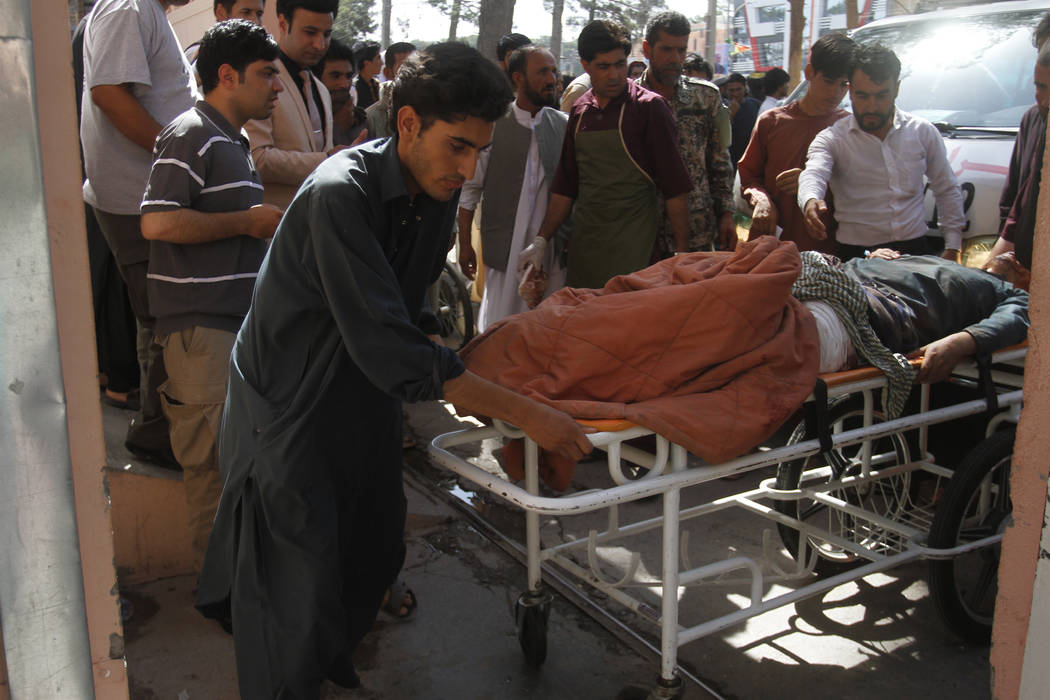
x=557, y=10
x=385, y=23
x=798, y=20
x=852, y=16
x=494, y=20
x=711, y=32
x=453, y=22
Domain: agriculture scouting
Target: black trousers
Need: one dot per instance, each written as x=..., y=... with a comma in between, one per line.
x=114, y=321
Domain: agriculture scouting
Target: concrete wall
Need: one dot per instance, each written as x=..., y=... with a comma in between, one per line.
x=150, y=526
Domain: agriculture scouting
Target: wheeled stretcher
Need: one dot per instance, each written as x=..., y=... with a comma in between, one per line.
x=854, y=494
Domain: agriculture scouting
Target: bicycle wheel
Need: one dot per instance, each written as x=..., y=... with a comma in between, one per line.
x=450, y=302
x=886, y=497
x=975, y=504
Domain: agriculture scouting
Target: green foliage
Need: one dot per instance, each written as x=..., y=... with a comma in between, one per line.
x=633, y=15
x=354, y=21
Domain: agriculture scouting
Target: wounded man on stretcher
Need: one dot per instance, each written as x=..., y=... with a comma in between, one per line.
x=714, y=351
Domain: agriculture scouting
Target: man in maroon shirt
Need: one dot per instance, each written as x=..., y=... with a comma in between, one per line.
x=1023, y=181
x=620, y=151
x=775, y=156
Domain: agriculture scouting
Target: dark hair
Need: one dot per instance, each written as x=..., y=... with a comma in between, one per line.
x=226, y=5
x=394, y=49
x=364, y=51
x=877, y=62
x=519, y=58
x=337, y=51
x=736, y=78
x=509, y=42
x=450, y=81
x=695, y=61
x=775, y=77
x=1043, y=57
x=288, y=7
x=236, y=42
x=600, y=36
x=832, y=55
x=1041, y=31
x=670, y=23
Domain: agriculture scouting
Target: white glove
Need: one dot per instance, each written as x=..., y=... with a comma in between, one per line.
x=533, y=254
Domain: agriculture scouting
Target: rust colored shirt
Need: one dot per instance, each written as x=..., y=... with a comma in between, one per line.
x=780, y=141
x=647, y=129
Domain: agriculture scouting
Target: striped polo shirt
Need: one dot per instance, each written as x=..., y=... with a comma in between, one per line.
x=201, y=162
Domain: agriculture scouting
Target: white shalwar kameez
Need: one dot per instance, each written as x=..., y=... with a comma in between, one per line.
x=501, y=286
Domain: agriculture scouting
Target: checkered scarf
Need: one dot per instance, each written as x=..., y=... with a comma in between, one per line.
x=822, y=279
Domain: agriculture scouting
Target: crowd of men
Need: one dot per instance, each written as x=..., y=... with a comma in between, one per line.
x=276, y=250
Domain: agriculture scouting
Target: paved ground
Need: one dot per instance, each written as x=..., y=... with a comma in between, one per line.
x=874, y=638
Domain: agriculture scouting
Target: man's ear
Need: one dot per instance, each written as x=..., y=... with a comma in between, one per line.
x=228, y=76
x=809, y=72
x=282, y=25
x=646, y=49
x=408, y=124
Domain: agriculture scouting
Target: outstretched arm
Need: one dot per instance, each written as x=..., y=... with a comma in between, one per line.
x=552, y=429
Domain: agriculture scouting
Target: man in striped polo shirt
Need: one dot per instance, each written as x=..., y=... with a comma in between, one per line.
x=208, y=228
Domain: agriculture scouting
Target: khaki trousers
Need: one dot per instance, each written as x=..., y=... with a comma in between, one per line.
x=198, y=364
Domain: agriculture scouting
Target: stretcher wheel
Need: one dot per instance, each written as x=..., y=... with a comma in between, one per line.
x=887, y=497
x=531, y=612
x=976, y=504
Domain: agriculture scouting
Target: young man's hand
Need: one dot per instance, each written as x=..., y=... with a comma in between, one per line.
x=764, y=216
x=557, y=432
x=816, y=214
x=787, y=181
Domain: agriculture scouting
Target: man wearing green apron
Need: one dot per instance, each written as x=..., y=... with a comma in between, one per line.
x=620, y=152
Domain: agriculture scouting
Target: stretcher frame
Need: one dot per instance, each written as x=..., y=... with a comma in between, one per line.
x=902, y=540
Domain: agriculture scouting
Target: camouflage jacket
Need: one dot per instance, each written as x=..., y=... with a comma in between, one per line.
x=696, y=106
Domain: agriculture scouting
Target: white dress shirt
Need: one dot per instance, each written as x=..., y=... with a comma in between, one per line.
x=878, y=184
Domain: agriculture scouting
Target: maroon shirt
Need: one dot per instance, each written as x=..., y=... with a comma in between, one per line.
x=648, y=130
x=780, y=142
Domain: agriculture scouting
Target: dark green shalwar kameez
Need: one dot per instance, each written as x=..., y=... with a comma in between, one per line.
x=309, y=530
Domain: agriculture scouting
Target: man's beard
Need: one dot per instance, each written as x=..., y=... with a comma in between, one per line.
x=541, y=100
x=884, y=118
x=668, y=76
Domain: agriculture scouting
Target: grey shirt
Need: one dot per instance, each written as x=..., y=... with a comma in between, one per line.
x=201, y=162
x=129, y=42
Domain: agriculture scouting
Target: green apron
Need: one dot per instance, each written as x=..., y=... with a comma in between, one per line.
x=615, y=218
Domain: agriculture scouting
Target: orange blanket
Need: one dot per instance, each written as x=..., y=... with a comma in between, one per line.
x=709, y=350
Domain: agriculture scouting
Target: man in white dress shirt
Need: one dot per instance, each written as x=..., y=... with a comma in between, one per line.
x=513, y=177
x=874, y=161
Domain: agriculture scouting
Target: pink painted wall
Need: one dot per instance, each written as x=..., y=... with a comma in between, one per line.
x=1028, y=484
